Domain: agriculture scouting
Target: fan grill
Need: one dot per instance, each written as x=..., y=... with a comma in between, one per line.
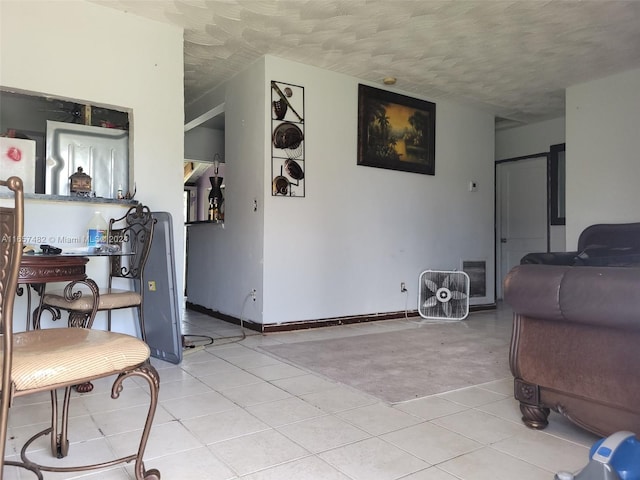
x=443, y=295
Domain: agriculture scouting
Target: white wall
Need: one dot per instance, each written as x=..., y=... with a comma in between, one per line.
x=86, y=52
x=603, y=141
x=226, y=261
x=360, y=231
x=201, y=143
x=345, y=247
x=530, y=140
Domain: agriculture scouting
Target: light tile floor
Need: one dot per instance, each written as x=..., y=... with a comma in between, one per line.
x=231, y=411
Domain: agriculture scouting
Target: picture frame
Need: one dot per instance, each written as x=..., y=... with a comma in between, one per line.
x=395, y=131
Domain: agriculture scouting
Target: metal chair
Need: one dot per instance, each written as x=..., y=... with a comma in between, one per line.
x=58, y=358
x=132, y=234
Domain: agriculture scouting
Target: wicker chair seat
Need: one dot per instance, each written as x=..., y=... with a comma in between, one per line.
x=58, y=357
x=110, y=299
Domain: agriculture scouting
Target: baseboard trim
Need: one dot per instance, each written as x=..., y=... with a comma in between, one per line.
x=223, y=316
x=317, y=323
x=335, y=321
x=482, y=308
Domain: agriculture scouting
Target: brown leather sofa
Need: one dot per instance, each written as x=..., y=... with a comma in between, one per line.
x=615, y=244
x=575, y=346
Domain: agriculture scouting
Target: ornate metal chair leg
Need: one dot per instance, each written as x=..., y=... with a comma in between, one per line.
x=83, y=319
x=32, y=468
x=63, y=441
x=59, y=440
x=54, y=424
x=60, y=444
x=37, y=312
x=19, y=292
x=150, y=374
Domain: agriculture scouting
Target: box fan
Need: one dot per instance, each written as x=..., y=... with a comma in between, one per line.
x=443, y=295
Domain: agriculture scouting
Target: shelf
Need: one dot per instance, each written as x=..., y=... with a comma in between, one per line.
x=203, y=222
x=67, y=198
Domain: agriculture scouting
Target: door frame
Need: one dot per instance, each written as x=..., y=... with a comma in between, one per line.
x=498, y=219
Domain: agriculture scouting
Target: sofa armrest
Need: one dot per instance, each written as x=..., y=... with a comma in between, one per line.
x=599, y=296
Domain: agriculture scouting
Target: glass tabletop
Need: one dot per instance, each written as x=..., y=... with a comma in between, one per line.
x=104, y=251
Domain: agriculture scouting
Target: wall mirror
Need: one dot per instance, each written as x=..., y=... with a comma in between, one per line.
x=557, y=172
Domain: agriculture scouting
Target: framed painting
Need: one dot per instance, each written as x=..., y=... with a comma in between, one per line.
x=395, y=131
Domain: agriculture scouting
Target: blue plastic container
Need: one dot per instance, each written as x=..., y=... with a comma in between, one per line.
x=625, y=459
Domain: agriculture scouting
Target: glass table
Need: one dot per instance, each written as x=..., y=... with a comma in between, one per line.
x=38, y=269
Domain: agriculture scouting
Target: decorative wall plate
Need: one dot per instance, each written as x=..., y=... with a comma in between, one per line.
x=280, y=185
x=287, y=135
x=293, y=169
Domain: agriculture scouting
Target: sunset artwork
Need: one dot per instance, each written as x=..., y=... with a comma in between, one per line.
x=395, y=132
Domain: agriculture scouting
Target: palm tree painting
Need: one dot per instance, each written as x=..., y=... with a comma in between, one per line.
x=395, y=131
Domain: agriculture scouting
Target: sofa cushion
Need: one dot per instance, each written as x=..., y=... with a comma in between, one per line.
x=599, y=296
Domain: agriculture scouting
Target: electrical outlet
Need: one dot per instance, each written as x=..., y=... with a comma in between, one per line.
x=252, y=294
x=403, y=287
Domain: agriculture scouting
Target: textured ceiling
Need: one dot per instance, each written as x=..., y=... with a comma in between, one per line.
x=511, y=58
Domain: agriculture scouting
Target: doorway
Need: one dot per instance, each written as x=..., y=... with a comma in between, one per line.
x=203, y=154
x=522, y=223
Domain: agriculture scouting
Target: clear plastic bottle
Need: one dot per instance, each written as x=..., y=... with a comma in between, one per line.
x=97, y=231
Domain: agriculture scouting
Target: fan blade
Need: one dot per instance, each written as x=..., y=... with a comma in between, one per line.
x=446, y=307
x=445, y=284
x=430, y=302
x=458, y=295
x=431, y=285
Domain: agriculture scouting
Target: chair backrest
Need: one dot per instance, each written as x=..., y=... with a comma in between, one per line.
x=133, y=232
x=11, y=239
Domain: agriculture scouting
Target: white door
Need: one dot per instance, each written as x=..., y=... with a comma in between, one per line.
x=521, y=212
